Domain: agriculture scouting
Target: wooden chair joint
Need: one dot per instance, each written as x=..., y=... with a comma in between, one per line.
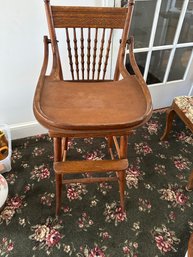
x=128, y=41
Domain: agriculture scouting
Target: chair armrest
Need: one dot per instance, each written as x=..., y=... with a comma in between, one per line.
x=46, y=55
x=139, y=77
x=41, y=80
x=133, y=61
x=138, y=74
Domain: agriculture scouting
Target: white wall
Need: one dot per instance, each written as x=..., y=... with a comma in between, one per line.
x=22, y=26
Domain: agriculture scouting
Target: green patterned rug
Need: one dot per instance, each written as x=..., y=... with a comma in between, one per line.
x=159, y=212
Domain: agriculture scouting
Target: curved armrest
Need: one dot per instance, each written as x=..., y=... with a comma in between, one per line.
x=46, y=55
x=42, y=76
x=139, y=77
x=133, y=61
x=138, y=73
x=55, y=75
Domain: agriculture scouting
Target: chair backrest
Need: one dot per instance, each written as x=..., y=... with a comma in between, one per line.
x=88, y=33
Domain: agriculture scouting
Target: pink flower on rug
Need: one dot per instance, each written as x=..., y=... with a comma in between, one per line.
x=105, y=235
x=27, y=188
x=66, y=209
x=53, y=238
x=6, y=246
x=130, y=249
x=172, y=216
x=96, y=252
x=181, y=198
x=114, y=213
x=179, y=164
x=165, y=239
x=10, y=247
x=44, y=174
x=162, y=245
x=40, y=172
x=120, y=214
x=134, y=171
x=143, y=148
x=72, y=194
x=15, y=202
x=147, y=149
x=85, y=221
x=126, y=250
x=75, y=191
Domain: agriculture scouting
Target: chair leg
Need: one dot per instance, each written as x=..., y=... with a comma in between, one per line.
x=58, y=177
x=110, y=146
x=122, y=174
x=189, y=186
x=169, y=118
x=64, y=148
x=110, y=141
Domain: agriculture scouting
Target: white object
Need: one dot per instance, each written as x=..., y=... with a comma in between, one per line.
x=3, y=190
x=5, y=165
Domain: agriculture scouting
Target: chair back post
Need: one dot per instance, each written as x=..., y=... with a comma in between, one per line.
x=56, y=67
x=125, y=34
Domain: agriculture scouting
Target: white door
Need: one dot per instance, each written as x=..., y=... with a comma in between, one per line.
x=163, y=32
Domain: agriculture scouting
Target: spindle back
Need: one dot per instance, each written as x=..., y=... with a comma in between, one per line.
x=88, y=33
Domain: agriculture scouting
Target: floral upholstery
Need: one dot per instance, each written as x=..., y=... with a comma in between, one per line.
x=185, y=103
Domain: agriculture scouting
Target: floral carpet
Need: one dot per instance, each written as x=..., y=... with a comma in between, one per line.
x=159, y=211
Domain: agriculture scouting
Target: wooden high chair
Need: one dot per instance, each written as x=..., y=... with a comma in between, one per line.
x=89, y=105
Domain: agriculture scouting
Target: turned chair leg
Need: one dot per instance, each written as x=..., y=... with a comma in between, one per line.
x=58, y=177
x=169, y=118
x=110, y=146
x=122, y=174
x=64, y=148
x=110, y=142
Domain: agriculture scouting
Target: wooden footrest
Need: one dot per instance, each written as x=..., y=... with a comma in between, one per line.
x=68, y=167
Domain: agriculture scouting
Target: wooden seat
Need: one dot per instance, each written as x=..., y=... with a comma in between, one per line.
x=102, y=105
x=90, y=104
x=183, y=107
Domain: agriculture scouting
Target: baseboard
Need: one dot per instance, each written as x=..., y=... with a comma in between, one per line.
x=26, y=129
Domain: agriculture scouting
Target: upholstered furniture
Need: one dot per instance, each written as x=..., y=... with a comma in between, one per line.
x=183, y=107
x=90, y=104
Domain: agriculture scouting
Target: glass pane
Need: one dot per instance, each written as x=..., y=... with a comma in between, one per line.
x=167, y=22
x=142, y=21
x=157, y=68
x=187, y=27
x=180, y=62
x=140, y=59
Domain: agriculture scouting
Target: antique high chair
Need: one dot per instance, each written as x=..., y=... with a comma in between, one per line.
x=89, y=105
